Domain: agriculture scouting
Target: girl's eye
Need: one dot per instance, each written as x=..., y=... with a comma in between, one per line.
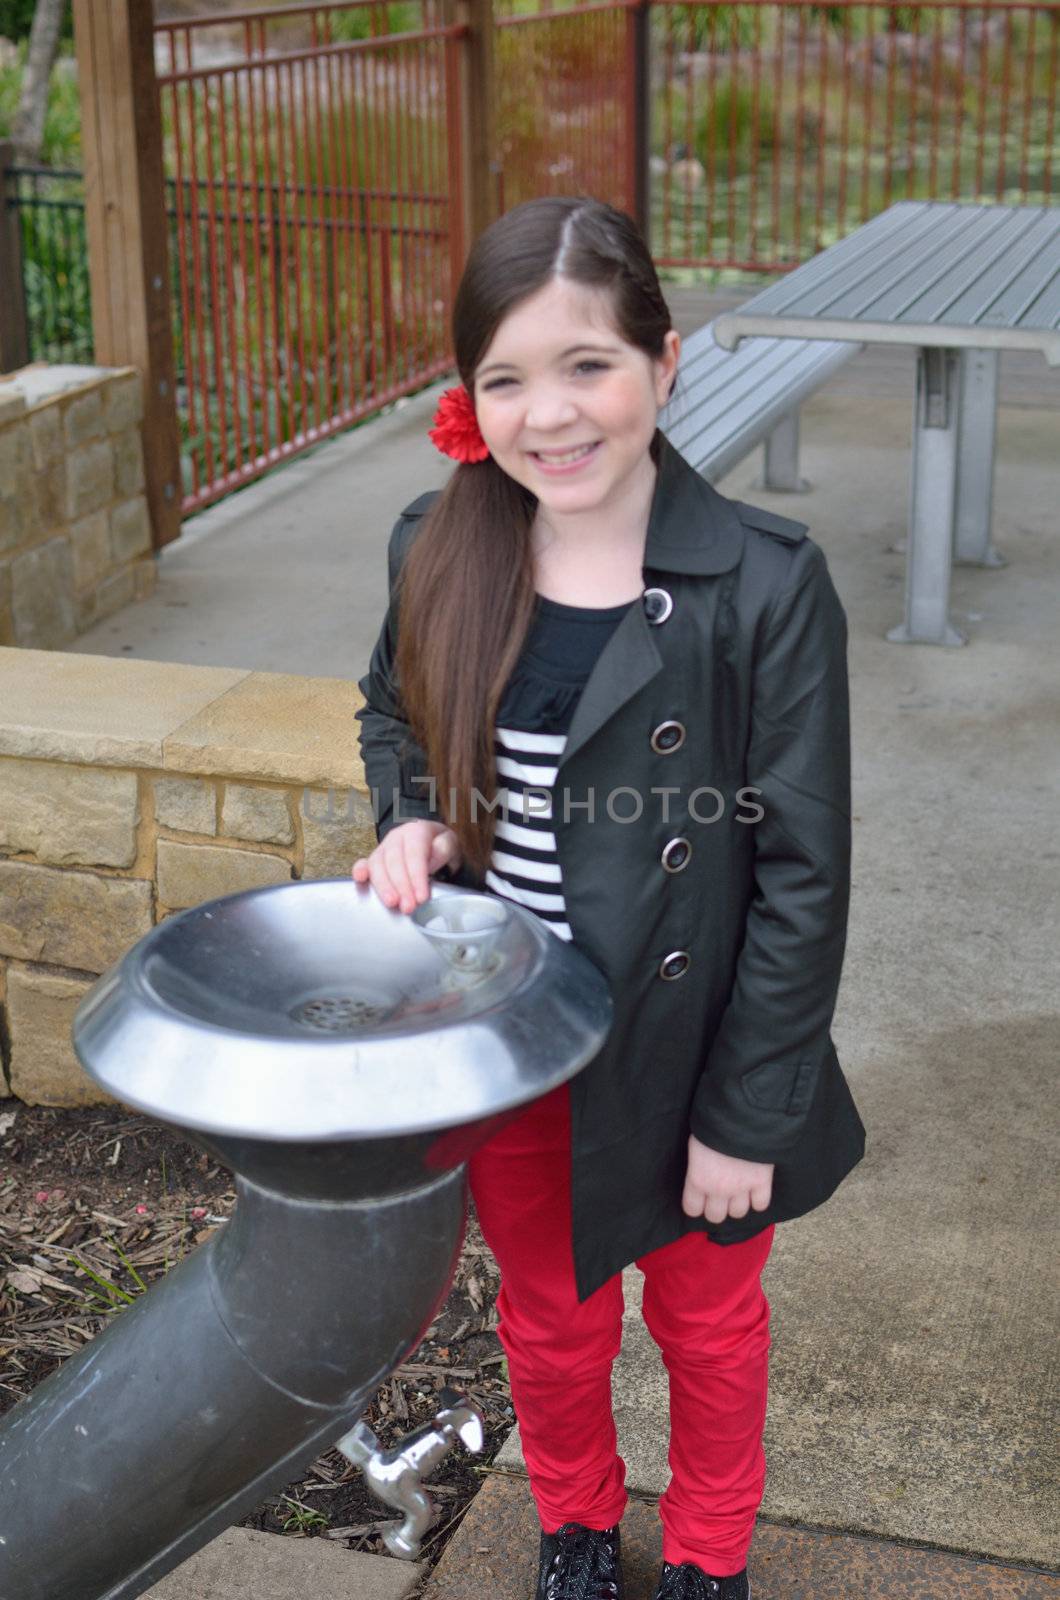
x=582, y=366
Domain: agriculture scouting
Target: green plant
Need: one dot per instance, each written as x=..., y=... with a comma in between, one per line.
x=302, y=1519
x=728, y=119
x=113, y=1297
x=62, y=123
x=16, y=20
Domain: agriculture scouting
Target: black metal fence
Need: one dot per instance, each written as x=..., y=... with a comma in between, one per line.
x=44, y=265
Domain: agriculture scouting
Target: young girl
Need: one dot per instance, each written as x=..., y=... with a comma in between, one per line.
x=615, y=696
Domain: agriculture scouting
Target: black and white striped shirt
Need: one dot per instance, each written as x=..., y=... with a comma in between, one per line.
x=524, y=865
x=535, y=714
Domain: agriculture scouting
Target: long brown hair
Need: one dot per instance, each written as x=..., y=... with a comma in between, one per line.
x=467, y=591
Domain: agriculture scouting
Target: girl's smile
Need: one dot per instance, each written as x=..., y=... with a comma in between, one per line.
x=555, y=463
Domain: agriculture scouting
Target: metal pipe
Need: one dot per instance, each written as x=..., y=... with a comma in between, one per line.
x=344, y=1062
x=218, y=1386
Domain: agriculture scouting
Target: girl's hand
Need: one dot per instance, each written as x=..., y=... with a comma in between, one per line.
x=399, y=867
x=718, y=1186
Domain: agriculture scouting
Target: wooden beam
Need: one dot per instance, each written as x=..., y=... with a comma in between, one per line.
x=128, y=247
x=479, y=167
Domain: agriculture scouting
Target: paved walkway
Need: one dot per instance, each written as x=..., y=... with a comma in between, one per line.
x=914, y=1316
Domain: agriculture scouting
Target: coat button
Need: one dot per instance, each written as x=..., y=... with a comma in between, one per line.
x=658, y=604
x=668, y=736
x=676, y=854
x=675, y=965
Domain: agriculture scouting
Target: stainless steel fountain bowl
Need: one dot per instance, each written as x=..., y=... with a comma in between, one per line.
x=308, y=1011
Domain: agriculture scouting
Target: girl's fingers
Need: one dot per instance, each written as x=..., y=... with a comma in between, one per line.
x=739, y=1205
x=381, y=880
x=417, y=850
x=398, y=876
x=762, y=1193
x=399, y=869
x=445, y=851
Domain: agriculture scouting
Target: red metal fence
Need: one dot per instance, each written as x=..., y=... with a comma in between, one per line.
x=576, y=132
x=315, y=239
x=315, y=154
x=777, y=128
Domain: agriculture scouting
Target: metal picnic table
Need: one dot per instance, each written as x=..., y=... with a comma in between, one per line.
x=961, y=282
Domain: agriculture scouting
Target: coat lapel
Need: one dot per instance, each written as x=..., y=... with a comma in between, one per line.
x=691, y=529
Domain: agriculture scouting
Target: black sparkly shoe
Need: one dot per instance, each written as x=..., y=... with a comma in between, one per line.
x=689, y=1582
x=580, y=1563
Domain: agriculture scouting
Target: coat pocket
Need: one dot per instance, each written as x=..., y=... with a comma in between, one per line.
x=786, y=1086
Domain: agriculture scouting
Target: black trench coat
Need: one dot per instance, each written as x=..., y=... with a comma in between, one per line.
x=750, y=658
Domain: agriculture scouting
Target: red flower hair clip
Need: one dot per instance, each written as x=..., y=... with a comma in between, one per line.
x=455, y=430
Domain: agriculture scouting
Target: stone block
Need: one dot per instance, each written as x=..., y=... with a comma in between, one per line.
x=68, y=816
x=277, y=727
x=123, y=403
x=114, y=592
x=82, y=418
x=187, y=804
x=145, y=573
x=59, y=705
x=44, y=1070
x=267, y=1566
x=49, y=497
x=70, y=919
x=46, y=436
x=259, y=814
x=7, y=621
x=84, y=610
x=12, y=402
x=188, y=874
x=130, y=529
x=17, y=499
x=337, y=827
x=128, y=462
x=89, y=478
x=5, y=1088
x=42, y=596
x=90, y=549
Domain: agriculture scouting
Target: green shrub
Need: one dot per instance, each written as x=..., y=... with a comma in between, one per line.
x=62, y=122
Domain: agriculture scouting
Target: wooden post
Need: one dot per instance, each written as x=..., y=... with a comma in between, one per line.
x=638, y=24
x=479, y=165
x=14, y=337
x=128, y=255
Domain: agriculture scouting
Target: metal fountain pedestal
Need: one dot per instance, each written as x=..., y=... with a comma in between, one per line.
x=344, y=1061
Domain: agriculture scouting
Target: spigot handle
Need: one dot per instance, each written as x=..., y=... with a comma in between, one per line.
x=396, y=1476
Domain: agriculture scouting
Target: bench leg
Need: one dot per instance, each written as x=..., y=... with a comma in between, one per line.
x=933, y=502
x=975, y=459
x=781, y=472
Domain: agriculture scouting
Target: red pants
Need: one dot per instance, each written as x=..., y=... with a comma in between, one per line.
x=705, y=1309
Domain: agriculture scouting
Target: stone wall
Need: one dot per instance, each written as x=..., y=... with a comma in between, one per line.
x=75, y=536
x=131, y=789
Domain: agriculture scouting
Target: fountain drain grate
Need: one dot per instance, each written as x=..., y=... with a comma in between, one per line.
x=337, y=1014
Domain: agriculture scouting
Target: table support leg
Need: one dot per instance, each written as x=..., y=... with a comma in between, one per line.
x=975, y=459
x=781, y=465
x=932, y=502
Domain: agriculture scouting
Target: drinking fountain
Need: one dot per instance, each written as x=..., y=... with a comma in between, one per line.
x=344, y=1060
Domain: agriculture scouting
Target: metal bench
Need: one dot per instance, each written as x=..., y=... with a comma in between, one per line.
x=727, y=402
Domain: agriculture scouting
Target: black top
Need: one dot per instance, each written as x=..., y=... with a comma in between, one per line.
x=561, y=648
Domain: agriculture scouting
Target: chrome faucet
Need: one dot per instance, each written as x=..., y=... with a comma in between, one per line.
x=395, y=1476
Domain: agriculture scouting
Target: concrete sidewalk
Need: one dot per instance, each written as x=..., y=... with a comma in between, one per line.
x=914, y=1358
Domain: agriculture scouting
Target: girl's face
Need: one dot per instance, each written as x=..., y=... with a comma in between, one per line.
x=566, y=406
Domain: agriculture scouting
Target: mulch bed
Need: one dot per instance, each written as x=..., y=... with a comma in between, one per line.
x=97, y=1203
